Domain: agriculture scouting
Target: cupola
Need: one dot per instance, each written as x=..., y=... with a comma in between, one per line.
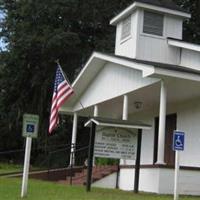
x=143, y=29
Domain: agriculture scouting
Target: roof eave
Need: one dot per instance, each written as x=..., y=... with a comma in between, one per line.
x=135, y=5
x=183, y=44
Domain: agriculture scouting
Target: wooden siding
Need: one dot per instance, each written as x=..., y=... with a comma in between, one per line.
x=190, y=59
x=127, y=47
x=173, y=27
x=147, y=46
x=113, y=81
x=156, y=49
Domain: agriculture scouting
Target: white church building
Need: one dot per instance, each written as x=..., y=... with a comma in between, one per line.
x=153, y=77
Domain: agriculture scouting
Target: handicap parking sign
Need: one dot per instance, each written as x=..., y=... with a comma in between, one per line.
x=30, y=125
x=178, y=140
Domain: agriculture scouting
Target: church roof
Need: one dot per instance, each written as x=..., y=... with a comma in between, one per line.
x=163, y=3
x=163, y=6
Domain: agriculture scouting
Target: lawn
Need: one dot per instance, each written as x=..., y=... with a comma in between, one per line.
x=38, y=190
x=8, y=168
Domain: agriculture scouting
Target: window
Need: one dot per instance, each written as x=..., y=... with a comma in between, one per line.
x=126, y=28
x=153, y=23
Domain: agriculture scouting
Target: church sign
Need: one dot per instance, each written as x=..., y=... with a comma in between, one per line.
x=119, y=143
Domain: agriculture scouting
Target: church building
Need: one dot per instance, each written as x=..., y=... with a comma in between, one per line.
x=152, y=77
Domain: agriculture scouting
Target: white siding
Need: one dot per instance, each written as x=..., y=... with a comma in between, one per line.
x=188, y=182
x=173, y=27
x=161, y=181
x=149, y=180
x=155, y=48
x=148, y=143
x=150, y=47
x=127, y=47
x=190, y=59
x=113, y=81
x=126, y=179
x=188, y=120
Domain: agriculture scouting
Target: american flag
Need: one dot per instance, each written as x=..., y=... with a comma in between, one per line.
x=62, y=91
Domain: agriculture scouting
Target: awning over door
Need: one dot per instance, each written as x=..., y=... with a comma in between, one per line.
x=117, y=123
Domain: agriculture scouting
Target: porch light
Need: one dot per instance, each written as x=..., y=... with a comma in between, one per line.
x=138, y=104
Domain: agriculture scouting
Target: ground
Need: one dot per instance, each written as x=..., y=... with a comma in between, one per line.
x=40, y=190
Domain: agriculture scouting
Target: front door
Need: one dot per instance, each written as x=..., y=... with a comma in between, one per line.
x=169, y=157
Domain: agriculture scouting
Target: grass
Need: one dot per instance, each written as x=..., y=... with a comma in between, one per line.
x=12, y=168
x=8, y=168
x=39, y=190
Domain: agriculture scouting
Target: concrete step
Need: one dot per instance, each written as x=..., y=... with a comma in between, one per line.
x=98, y=172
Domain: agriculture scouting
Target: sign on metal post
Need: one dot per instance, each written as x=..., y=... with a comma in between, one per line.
x=115, y=143
x=178, y=140
x=178, y=145
x=30, y=125
x=29, y=130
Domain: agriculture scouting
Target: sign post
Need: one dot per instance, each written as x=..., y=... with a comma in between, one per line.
x=178, y=145
x=30, y=130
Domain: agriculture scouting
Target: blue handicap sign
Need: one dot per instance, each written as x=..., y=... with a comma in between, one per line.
x=30, y=128
x=178, y=140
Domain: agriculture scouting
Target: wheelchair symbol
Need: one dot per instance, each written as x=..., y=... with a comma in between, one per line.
x=30, y=128
x=178, y=142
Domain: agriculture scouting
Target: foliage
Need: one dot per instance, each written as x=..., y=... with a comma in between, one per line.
x=9, y=167
x=106, y=161
x=37, y=33
x=191, y=30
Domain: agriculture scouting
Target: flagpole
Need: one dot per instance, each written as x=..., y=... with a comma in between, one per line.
x=63, y=73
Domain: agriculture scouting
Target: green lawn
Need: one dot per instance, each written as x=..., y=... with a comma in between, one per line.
x=8, y=168
x=38, y=190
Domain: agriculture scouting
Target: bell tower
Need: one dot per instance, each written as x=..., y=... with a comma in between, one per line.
x=143, y=29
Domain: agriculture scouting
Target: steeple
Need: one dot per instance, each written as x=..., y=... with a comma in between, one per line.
x=143, y=29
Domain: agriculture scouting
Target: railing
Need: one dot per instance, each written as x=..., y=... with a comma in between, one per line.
x=11, y=161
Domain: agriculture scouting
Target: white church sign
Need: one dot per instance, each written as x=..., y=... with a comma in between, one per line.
x=115, y=143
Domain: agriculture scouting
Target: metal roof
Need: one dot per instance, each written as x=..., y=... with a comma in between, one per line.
x=117, y=123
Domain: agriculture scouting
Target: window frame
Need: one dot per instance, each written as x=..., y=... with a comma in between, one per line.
x=153, y=34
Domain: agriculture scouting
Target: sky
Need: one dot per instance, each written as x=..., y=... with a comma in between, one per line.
x=2, y=44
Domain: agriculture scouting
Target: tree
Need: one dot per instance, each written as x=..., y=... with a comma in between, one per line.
x=37, y=33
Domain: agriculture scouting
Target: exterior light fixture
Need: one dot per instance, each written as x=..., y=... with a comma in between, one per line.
x=138, y=104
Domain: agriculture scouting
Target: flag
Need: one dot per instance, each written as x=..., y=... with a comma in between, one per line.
x=62, y=91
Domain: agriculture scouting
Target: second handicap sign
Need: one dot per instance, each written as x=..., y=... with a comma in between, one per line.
x=178, y=141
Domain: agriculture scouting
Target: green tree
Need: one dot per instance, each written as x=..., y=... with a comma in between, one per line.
x=37, y=33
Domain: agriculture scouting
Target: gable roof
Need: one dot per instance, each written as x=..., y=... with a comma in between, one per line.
x=149, y=69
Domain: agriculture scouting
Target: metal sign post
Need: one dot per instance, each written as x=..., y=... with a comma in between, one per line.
x=30, y=130
x=90, y=157
x=178, y=145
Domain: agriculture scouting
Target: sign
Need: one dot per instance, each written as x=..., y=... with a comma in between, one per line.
x=178, y=140
x=116, y=143
x=30, y=125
